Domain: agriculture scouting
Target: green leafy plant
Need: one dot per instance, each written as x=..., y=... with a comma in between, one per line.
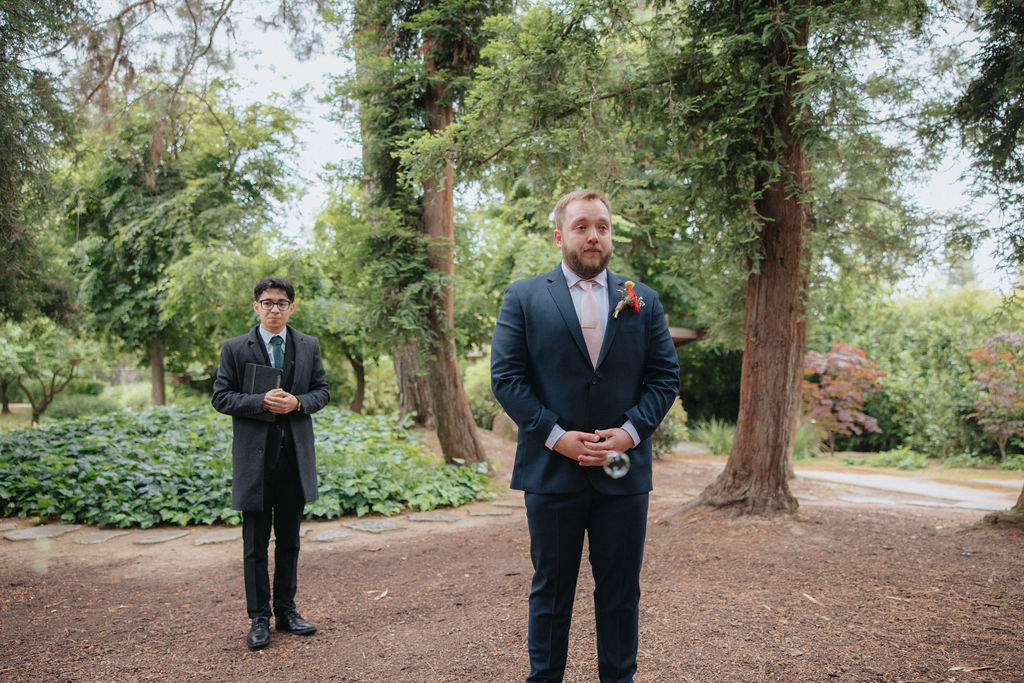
x=671, y=431
x=1013, y=461
x=968, y=460
x=172, y=465
x=808, y=442
x=716, y=434
x=903, y=458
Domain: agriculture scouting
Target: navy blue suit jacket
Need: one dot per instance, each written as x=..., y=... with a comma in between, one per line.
x=542, y=375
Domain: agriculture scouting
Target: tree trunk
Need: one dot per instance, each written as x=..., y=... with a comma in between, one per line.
x=156, y=373
x=5, y=397
x=1014, y=517
x=756, y=476
x=359, y=370
x=456, y=429
x=413, y=390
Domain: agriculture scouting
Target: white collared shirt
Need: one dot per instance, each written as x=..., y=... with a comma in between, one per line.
x=266, y=337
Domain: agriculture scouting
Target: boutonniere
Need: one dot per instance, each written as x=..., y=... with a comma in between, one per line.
x=629, y=298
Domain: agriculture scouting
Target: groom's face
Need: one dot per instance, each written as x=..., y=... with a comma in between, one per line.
x=585, y=237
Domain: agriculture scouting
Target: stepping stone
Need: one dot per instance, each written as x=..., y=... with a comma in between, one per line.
x=373, y=526
x=4, y=526
x=34, y=532
x=161, y=537
x=219, y=536
x=433, y=516
x=509, y=504
x=328, y=535
x=90, y=537
x=489, y=513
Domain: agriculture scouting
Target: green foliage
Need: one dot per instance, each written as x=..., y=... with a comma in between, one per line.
x=716, y=434
x=902, y=458
x=709, y=380
x=671, y=431
x=69, y=406
x=88, y=387
x=1012, y=461
x=34, y=119
x=172, y=465
x=159, y=187
x=999, y=371
x=968, y=461
x=921, y=342
x=477, y=383
x=807, y=444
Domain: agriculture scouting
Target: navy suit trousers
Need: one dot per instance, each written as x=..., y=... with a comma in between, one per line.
x=616, y=527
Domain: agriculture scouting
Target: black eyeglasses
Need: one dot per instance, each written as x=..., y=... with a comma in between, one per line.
x=267, y=304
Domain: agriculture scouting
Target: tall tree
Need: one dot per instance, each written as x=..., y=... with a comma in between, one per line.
x=733, y=121
x=413, y=60
x=153, y=191
x=34, y=120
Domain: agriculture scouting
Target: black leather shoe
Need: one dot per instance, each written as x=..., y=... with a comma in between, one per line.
x=291, y=621
x=259, y=634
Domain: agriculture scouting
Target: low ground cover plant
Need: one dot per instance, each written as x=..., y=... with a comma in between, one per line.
x=172, y=465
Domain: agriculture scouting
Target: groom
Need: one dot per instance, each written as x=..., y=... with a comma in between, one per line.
x=583, y=362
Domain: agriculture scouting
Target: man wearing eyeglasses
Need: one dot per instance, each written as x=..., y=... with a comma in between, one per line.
x=273, y=459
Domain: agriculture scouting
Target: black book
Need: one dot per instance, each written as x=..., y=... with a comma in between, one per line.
x=259, y=379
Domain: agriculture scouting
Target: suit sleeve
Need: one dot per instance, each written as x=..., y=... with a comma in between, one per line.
x=319, y=392
x=509, y=370
x=660, y=375
x=227, y=398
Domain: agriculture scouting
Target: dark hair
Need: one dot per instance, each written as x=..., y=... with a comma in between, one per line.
x=273, y=282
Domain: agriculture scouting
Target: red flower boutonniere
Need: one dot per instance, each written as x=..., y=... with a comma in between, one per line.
x=630, y=299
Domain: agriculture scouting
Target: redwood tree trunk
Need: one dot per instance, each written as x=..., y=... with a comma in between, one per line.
x=756, y=476
x=453, y=419
x=1014, y=517
x=413, y=389
x=157, y=394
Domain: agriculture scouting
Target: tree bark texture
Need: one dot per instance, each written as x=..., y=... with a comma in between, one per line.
x=1014, y=517
x=158, y=395
x=756, y=476
x=413, y=389
x=5, y=397
x=456, y=429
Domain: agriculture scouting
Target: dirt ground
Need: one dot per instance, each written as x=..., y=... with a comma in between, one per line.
x=841, y=592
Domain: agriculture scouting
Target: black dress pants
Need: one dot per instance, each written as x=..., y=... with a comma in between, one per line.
x=282, y=510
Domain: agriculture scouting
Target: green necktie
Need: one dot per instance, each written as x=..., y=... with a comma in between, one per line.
x=277, y=342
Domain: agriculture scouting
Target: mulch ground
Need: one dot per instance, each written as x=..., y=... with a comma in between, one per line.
x=841, y=592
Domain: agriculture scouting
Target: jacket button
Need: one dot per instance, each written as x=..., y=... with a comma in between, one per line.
x=593, y=380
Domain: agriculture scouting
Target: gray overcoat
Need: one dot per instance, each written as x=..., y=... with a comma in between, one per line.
x=304, y=378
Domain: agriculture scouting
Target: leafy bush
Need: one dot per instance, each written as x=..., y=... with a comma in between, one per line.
x=173, y=465
x=481, y=399
x=671, y=431
x=1013, y=461
x=716, y=434
x=67, y=406
x=89, y=387
x=968, y=460
x=903, y=458
x=808, y=442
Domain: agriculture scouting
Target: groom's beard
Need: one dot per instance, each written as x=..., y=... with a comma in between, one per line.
x=587, y=264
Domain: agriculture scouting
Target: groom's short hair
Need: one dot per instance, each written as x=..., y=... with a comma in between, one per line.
x=585, y=195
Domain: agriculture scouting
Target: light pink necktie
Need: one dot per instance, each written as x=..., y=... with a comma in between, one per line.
x=590, y=320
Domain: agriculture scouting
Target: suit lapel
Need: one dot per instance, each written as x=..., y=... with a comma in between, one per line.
x=559, y=291
x=257, y=349
x=615, y=283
